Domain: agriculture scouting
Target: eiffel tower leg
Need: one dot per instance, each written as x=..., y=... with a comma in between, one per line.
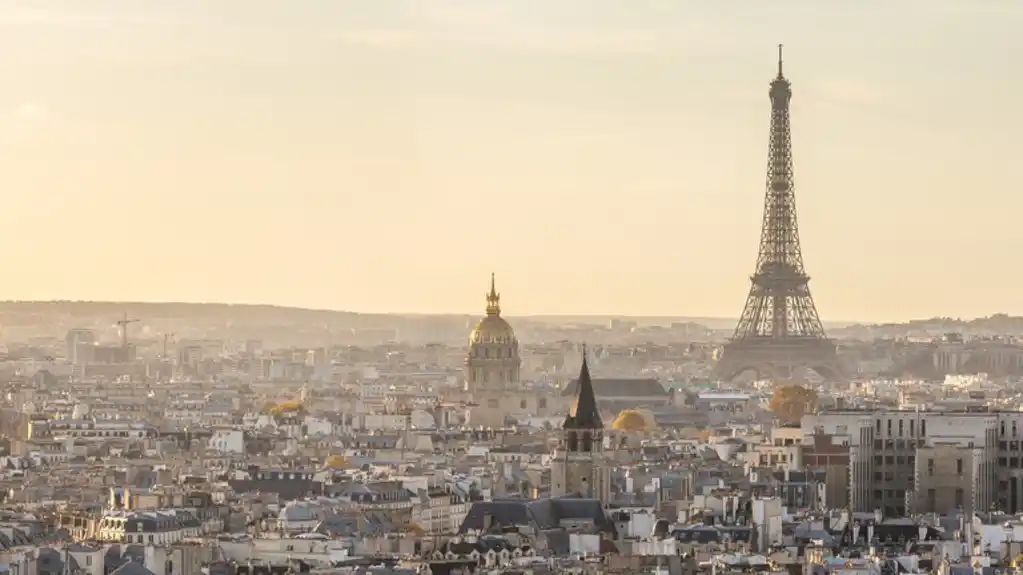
x=728, y=370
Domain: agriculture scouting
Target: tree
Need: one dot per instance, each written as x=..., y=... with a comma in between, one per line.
x=286, y=407
x=790, y=402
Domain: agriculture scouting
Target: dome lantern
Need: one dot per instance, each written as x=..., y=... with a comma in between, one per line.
x=493, y=298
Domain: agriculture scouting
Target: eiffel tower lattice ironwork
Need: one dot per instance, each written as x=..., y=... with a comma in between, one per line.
x=779, y=330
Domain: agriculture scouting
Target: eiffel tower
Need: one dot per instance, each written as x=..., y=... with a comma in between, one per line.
x=779, y=331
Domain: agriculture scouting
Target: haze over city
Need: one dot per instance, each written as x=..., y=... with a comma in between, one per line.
x=599, y=156
x=515, y=287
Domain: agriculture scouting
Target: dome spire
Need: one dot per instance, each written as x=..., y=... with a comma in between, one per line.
x=493, y=298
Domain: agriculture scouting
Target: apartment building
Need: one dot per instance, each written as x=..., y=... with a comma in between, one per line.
x=904, y=462
x=787, y=449
x=855, y=430
x=1010, y=461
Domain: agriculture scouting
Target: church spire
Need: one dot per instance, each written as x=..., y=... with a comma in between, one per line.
x=584, y=413
x=493, y=298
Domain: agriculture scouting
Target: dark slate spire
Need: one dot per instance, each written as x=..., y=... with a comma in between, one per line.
x=584, y=413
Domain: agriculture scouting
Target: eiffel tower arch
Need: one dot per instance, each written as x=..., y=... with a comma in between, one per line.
x=779, y=331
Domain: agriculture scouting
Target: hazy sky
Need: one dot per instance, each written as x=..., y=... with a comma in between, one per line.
x=600, y=156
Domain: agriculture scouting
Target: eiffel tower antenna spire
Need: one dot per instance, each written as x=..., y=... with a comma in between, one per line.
x=779, y=329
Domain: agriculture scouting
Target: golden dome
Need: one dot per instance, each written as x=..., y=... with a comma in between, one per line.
x=493, y=328
x=630, y=420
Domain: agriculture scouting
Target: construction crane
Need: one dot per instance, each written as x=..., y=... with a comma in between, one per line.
x=124, y=323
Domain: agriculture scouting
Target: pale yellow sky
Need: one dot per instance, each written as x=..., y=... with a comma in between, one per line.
x=601, y=156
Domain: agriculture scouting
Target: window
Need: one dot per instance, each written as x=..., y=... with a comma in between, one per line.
x=900, y=427
x=522, y=404
x=930, y=468
x=889, y=428
x=587, y=443
x=959, y=466
x=541, y=403
x=959, y=497
x=492, y=403
x=879, y=426
x=1001, y=428
x=923, y=428
x=912, y=425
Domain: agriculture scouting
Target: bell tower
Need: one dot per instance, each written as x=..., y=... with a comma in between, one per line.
x=580, y=467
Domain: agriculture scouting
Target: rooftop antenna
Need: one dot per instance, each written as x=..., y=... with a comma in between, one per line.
x=780, y=46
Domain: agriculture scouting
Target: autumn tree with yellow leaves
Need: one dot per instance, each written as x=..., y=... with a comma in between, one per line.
x=285, y=407
x=790, y=402
x=336, y=462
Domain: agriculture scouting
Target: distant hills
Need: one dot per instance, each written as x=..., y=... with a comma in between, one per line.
x=266, y=311
x=999, y=323
x=998, y=320
x=281, y=315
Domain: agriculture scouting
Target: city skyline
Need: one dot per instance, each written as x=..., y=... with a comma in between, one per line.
x=602, y=162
